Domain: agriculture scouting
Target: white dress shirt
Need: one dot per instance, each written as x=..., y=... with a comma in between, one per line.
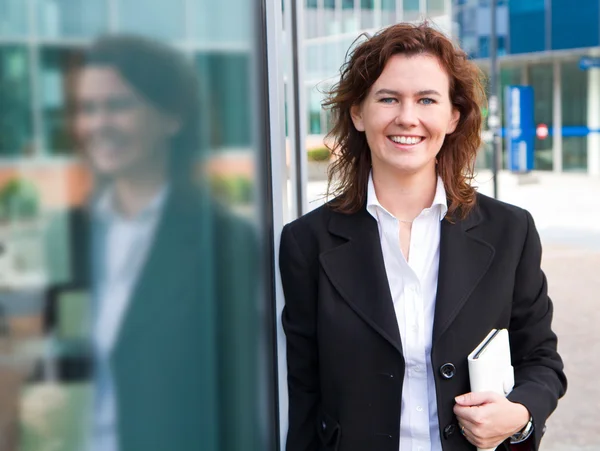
x=124, y=250
x=413, y=286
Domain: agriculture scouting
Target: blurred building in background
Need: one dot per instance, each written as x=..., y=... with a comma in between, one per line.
x=553, y=46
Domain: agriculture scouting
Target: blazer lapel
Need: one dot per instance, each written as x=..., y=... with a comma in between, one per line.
x=464, y=260
x=356, y=270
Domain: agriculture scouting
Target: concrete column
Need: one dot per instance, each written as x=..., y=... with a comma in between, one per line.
x=593, y=119
x=557, y=147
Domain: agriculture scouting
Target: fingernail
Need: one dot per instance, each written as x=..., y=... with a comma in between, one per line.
x=459, y=399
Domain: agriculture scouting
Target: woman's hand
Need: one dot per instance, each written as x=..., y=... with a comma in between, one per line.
x=487, y=419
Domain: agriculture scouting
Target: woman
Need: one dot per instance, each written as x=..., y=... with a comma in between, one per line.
x=393, y=283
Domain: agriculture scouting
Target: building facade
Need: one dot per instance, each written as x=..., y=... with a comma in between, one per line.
x=549, y=45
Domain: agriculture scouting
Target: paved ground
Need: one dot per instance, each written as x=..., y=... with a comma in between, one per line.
x=566, y=208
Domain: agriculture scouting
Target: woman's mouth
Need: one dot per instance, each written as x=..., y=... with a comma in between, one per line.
x=406, y=140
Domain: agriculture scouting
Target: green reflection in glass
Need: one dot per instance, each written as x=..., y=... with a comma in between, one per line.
x=15, y=100
x=56, y=63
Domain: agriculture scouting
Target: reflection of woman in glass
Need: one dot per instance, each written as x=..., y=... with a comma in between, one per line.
x=155, y=271
x=391, y=285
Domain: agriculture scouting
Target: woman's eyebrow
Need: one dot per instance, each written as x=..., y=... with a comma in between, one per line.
x=425, y=92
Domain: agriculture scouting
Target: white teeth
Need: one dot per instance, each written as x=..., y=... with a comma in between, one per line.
x=406, y=139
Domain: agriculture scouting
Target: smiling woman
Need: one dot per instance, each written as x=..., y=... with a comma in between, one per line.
x=391, y=285
x=405, y=117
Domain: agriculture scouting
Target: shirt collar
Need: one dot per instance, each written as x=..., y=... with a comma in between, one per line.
x=439, y=198
x=105, y=208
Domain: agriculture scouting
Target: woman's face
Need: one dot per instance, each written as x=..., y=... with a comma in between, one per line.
x=407, y=115
x=119, y=130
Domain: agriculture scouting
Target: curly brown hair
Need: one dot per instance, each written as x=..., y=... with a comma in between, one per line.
x=348, y=175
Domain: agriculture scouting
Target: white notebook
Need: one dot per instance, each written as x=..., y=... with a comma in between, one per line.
x=490, y=366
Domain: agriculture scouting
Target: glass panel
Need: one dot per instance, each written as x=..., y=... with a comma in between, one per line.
x=311, y=22
x=71, y=18
x=411, y=10
x=15, y=100
x=159, y=19
x=508, y=76
x=212, y=21
x=314, y=111
x=135, y=271
x=541, y=78
x=388, y=12
x=13, y=18
x=367, y=14
x=313, y=60
x=350, y=22
x=574, y=93
x=435, y=7
x=225, y=79
x=55, y=66
x=330, y=24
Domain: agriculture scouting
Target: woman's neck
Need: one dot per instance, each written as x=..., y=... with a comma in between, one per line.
x=405, y=197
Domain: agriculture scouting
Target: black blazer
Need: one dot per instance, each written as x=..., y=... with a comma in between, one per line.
x=344, y=353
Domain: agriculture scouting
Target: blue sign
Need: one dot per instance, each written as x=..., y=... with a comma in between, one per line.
x=520, y=128
x=589, y=62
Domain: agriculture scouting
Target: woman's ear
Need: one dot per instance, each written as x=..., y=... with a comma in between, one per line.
x=453, y=121
x=357, y=119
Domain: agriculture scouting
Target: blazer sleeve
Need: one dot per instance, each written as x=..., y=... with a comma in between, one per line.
x=539, y=377
x=299, y=280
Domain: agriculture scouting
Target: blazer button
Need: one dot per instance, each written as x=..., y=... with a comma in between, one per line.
x=323, y=425
x=448, y=370
x=449, y=431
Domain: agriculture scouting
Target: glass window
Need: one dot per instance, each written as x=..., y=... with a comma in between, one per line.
x=541, y=78
x=208, y=19
x=435, y=7
x=311, y=3
x=411, y=10
x=15, y=100
x=136, y=301
x=13, y=18
x=574, y=94
x=367, y=14
x=527, y=26
x=55, y=66
x=388, y=12
x=159, y=19
x=347, y=4
x=330, y=23
x=225, y=78
x=71, y=18
x=314, y=69
x=584, y=18
x=508, y=76
x=314, y=111
x=484, y=47
x=311, y=22
x=329, y=4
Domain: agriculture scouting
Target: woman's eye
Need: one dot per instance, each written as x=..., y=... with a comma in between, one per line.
x=427, y=101
x=388, y=100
